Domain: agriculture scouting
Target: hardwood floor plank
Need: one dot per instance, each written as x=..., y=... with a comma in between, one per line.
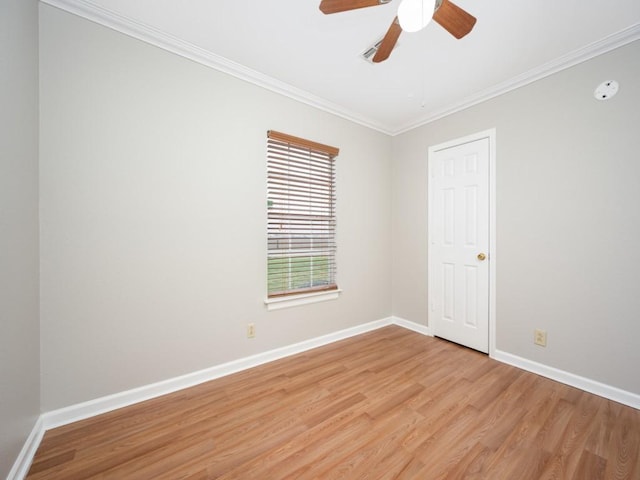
x=321, y=457
x=386, y=405
x=590, y=467
x=156, y=463
x=297, y=452
x=471, y=465
x=325, y=409
x=53, y=461
x=519, y=455
x=369, y=450
x=623, y=460
x=551, y=432
x=601, y=432
x=575, y=436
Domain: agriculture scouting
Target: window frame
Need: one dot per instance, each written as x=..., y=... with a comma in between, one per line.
x=301, y=210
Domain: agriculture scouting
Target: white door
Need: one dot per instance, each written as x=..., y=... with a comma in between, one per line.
x=459, y=242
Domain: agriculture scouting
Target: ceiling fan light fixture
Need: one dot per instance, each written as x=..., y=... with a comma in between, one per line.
x=414, y=15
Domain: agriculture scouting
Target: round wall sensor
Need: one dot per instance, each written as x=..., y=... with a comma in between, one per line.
x=606, y=90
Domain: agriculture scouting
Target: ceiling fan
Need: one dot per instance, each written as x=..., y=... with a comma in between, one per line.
x=412, y=16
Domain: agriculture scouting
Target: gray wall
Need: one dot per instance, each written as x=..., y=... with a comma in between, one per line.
x=153, y=217
x=19, y=328
x=568, y=217
x=152, y=192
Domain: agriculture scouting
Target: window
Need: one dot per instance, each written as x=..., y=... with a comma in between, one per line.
x=301, y=228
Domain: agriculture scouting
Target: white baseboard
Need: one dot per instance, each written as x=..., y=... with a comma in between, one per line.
x=409, y=325
x=603, y=390
x=80, y=411
x=25, y=458
x=612, y=393
x=91, y=408
x=101, y=405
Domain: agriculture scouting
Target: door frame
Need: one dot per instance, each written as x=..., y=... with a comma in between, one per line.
x=490, y=134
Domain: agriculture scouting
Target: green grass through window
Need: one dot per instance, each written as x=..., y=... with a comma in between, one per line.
x=293, y=273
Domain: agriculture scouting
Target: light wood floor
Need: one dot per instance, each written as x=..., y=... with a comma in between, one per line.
x=389, y=404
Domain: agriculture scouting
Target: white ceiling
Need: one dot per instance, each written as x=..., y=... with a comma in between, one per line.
x=292, y=47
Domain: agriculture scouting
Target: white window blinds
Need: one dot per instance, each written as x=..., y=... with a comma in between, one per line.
x=301, y=229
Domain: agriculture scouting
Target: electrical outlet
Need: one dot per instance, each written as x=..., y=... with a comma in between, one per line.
x=251, y=330
x=540, y=337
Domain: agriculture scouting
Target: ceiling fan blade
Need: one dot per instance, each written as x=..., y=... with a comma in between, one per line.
x=335, y=6
x=453, y=19
x=388, y=42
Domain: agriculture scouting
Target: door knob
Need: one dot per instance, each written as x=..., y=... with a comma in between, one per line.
x=482, y=256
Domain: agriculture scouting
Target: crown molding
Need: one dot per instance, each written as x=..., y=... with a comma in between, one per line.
x=148, y=34
x=128, y=26
x=575, y=57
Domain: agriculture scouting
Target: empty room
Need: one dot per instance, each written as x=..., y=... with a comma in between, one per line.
x=319, y=239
